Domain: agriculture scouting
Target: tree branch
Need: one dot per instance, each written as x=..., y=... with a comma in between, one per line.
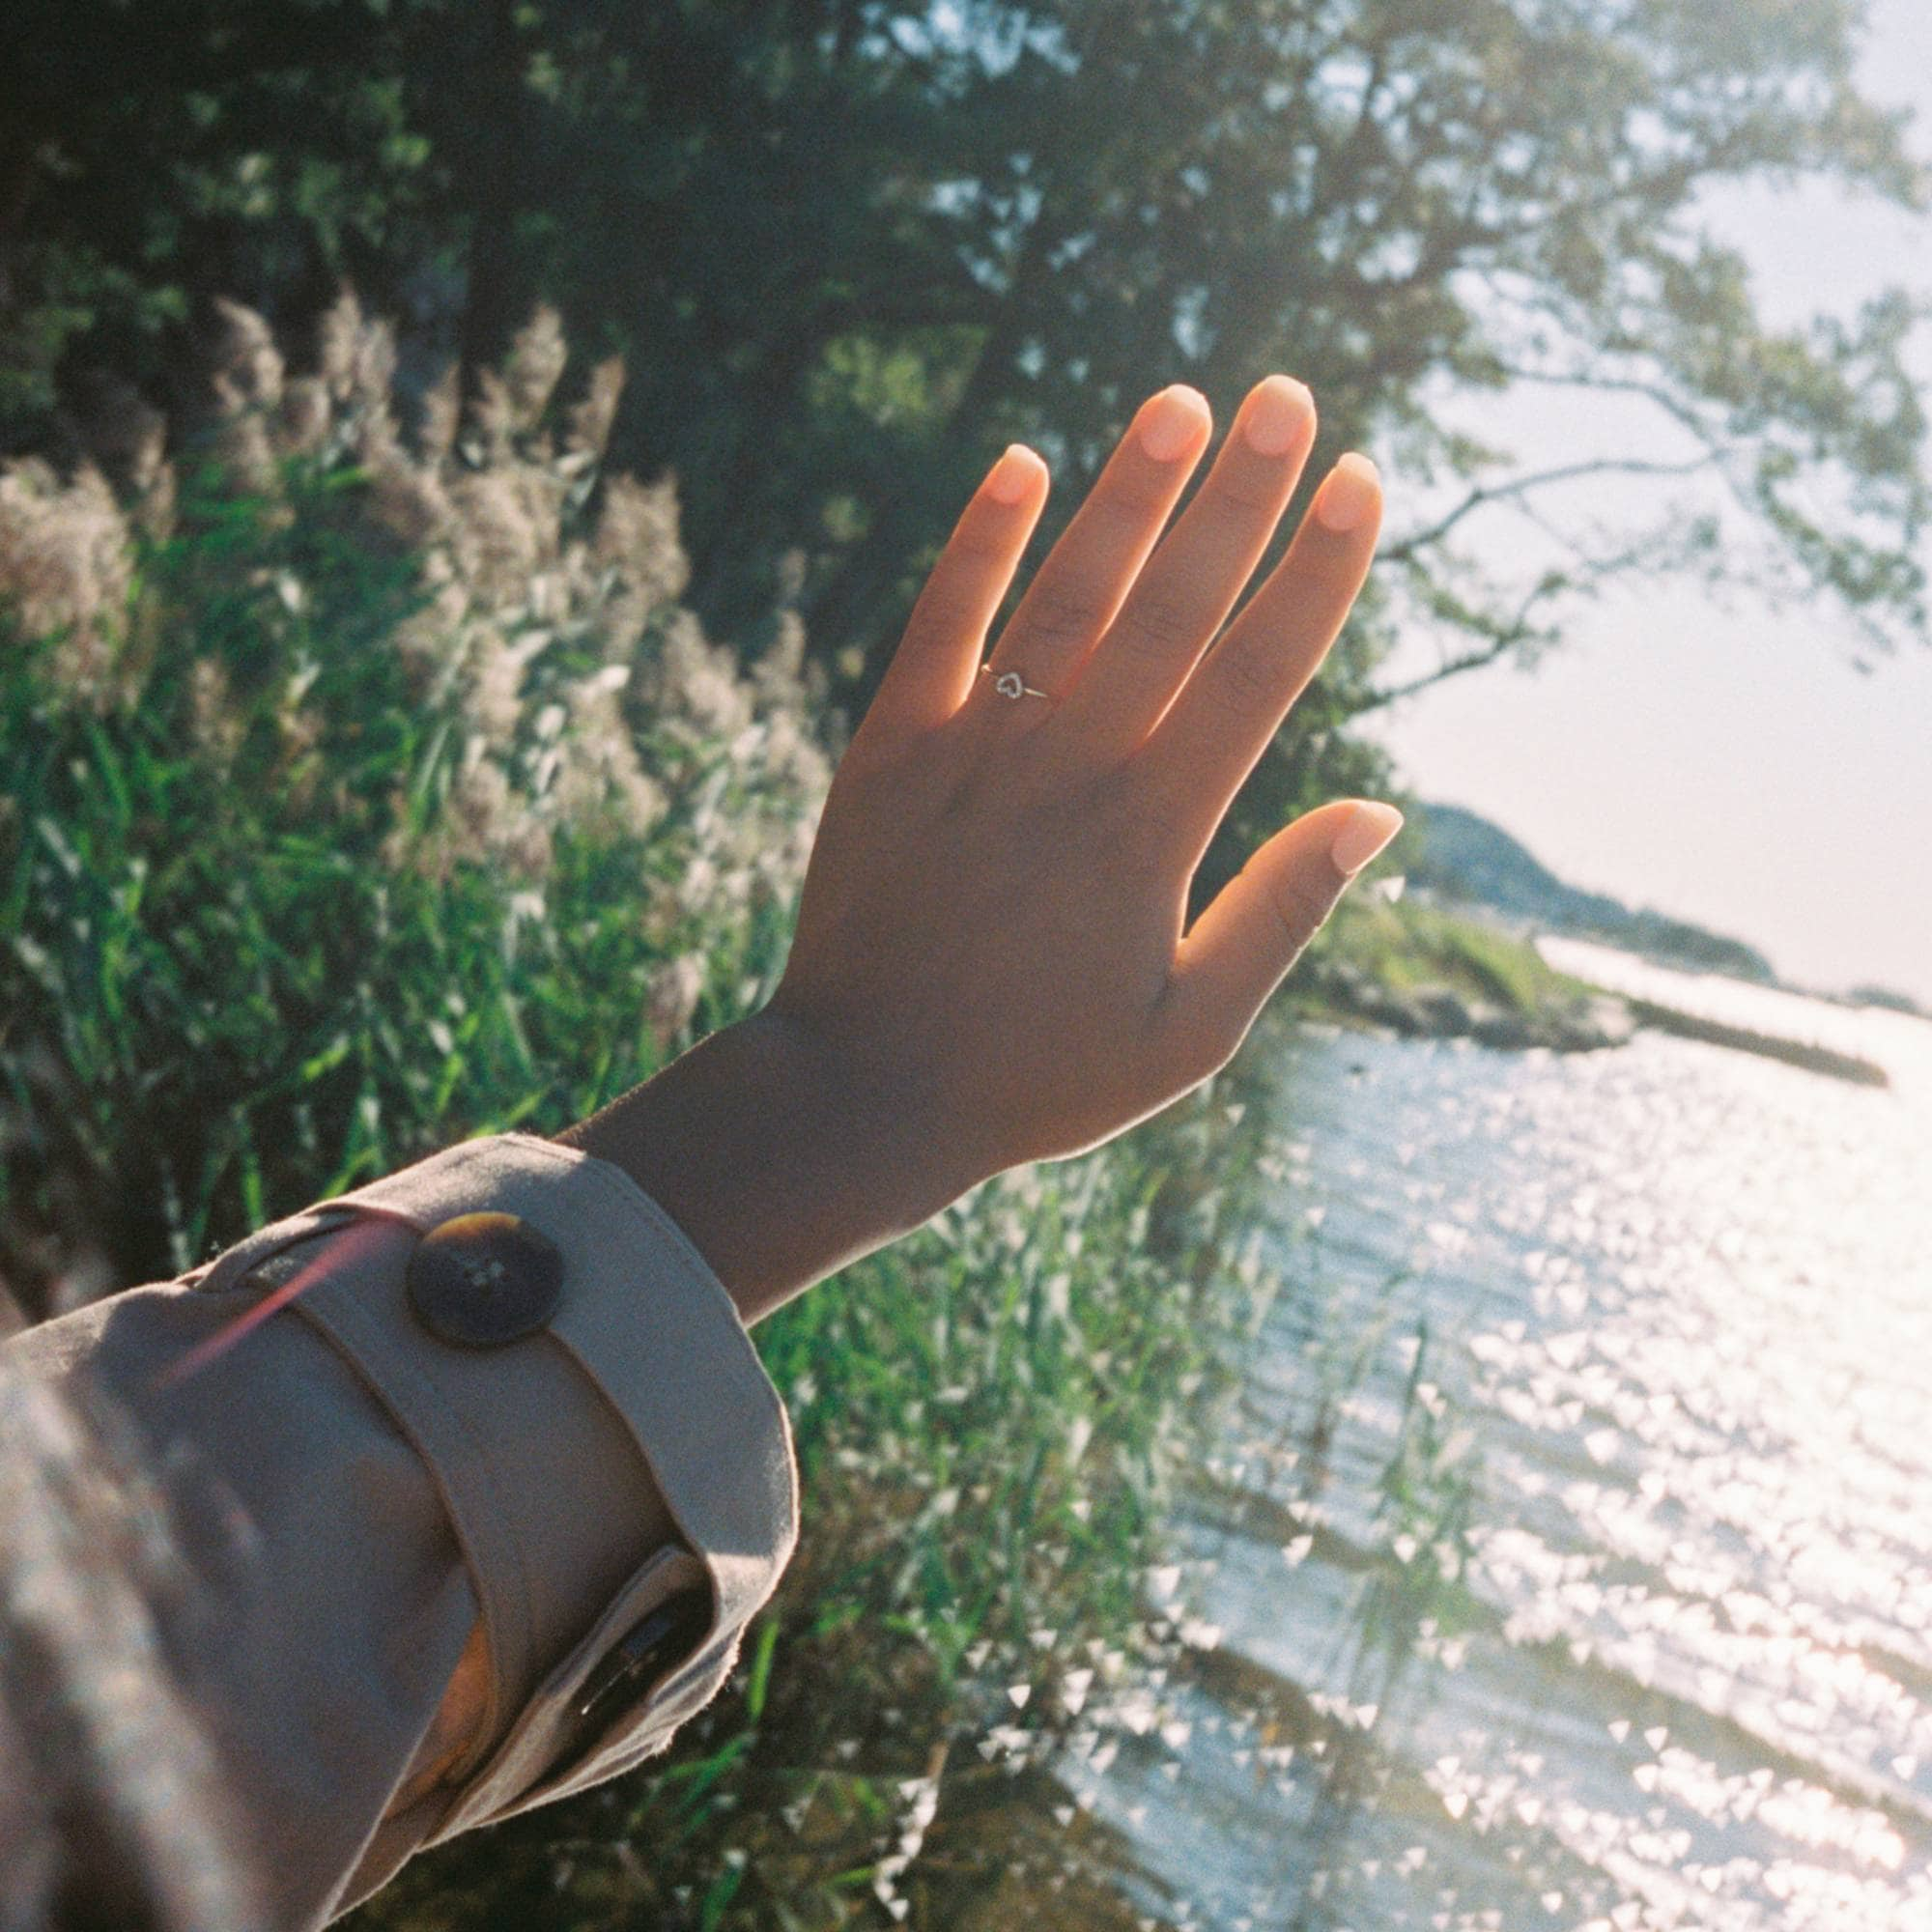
x=1404, y=549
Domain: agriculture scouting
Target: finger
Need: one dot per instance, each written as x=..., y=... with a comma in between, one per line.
x=1240, y=949
x=1081, y=585
x=1185, y=592
x=1226, y=713
x=937, y=658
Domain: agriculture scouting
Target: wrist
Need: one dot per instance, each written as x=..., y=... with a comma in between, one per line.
x=860, y=1139
x=782, y=1157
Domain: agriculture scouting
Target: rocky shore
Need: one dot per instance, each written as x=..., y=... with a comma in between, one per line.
x=1578, y=1023
x=1354, y=984
x=1804, y=1053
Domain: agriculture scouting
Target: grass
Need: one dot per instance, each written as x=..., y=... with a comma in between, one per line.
x=1411, y=946
x=309, y=863
x=991, y=1420
x=301, y=875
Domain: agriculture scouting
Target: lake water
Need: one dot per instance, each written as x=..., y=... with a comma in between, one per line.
x=1569, y=1560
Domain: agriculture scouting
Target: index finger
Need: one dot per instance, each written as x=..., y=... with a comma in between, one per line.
x=1221, y=721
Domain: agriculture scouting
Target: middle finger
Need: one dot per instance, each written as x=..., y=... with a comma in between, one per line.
x=1216, y=730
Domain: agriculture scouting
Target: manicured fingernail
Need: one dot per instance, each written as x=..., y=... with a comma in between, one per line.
x=1013, y=476
x=1366, y=830
x=1172, y=421
x=1347, y=499
x=1276, y=413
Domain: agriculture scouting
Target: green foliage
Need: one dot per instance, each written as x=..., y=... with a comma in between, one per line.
x=1413, y=945
x=852, y=247
x=358, y=798
x=324, y=845
x=990, y=1420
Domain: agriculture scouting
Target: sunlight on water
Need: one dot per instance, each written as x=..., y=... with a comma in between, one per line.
x=1572, y=1558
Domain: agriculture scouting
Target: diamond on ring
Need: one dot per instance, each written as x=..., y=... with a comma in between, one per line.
x=1010, y=683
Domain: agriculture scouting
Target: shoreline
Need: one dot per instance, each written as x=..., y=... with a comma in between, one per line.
x=1421, y=972
x=1806, y=1054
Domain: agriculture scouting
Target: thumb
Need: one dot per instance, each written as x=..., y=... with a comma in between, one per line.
x=1240, y=949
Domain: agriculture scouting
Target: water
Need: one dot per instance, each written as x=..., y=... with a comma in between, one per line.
x=1569, y=1562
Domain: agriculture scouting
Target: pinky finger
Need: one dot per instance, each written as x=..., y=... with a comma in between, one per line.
x=1241, y=948
x=933, y=668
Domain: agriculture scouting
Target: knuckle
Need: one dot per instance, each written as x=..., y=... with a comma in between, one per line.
x=1242, y=681
x=978, y=545
x=1056, y=615
x=1302, y=905
x=1115, y=799
x=1138, y=494
x=1157, y=623
x=1245, y=496
x=1118, y=518
x=944, y=611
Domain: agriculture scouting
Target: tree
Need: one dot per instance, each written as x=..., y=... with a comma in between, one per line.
x=851, y=247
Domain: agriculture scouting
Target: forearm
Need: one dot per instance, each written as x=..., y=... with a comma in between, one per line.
x=425, y=1552
x=780, y=1158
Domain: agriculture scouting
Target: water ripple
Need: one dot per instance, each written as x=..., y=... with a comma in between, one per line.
x=1571, y=1553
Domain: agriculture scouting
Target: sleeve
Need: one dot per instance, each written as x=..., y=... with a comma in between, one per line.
x=499, y=1385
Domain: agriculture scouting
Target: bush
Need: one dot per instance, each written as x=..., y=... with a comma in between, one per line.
x=360, y=795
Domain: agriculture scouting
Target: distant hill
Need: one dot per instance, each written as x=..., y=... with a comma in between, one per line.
x=1889, y=997
x=1462, y=855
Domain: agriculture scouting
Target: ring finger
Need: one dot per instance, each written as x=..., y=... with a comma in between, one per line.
x=1087, y=576
x=1190, y=585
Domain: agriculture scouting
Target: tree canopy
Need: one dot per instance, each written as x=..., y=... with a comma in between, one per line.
x=849, y=248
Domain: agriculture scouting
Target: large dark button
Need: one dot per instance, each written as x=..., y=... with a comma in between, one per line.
x=645, y=1654
x=481, y=1280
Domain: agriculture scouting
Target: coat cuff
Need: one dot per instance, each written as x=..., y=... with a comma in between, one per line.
x=643, y=1343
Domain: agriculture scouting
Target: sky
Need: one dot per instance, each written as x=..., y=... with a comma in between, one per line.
x=1726, y=765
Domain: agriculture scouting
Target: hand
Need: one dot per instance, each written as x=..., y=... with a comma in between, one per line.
x=992, y=921
x=992, y=964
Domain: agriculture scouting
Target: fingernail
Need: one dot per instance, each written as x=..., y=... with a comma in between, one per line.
x=1275, y=415
x=1172, y=421
x=1013, y=476
x=1347, y=497
x=1366, y=830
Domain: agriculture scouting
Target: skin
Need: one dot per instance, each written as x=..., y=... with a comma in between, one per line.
x=992, y=963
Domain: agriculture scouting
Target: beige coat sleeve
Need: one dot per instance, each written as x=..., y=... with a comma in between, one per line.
x=556, y=1423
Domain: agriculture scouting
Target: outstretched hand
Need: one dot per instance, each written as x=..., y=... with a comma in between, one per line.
x=993, y=917
x=992, y=962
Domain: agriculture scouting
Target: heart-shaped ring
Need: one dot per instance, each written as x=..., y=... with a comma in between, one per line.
x=1010, y=683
